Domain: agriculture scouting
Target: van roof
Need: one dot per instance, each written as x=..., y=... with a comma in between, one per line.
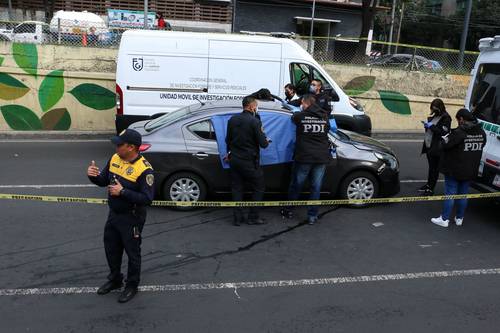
x=489, y=44
x=146, y=34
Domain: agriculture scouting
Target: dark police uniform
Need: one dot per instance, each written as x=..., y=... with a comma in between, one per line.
x=127, y=214
x=244, y=139
x=323, y=100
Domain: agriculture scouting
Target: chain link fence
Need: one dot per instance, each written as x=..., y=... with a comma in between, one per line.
x=349, y=51
x=389, y=55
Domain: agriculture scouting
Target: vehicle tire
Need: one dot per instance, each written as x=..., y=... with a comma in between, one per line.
x=359, y=185
x=184, y=186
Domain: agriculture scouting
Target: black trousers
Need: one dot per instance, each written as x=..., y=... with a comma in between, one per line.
x=433, y=175
x=119, y=237
x=246, y=172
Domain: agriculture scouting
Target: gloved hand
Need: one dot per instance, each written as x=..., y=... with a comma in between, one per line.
x=428, y=125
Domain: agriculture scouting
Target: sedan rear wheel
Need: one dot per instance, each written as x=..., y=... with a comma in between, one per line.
x=186, y=187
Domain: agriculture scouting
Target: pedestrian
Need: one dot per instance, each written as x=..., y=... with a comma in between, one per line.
x=462, y=151
x=291, y=93
x=245, y=136
x=129, y=178
x=161, y=21
x=322, y=97
x=438, y=124
x=312, y=154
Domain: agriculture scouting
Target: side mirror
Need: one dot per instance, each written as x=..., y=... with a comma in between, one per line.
x=333, y=95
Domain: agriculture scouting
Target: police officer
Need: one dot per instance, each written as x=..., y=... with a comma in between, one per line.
x=129, y=178
x=245, y=137
x=312, y=154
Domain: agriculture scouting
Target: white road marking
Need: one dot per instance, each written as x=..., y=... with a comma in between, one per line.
x=402, y=140
x=49, y=186
x=377, y=224
x=411, y=181
x=263, y=284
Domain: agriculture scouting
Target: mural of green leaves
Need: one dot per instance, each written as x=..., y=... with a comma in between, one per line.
x=56, y=119
x=11, y=88
x=359, y=85
x=20, y=118
x=51, y=90
x=94, y=96
x=1, y=61
x=26, y=57
x=395, y=102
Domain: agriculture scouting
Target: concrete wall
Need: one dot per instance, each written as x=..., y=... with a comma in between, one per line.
x=56, y=88
x=72, y=88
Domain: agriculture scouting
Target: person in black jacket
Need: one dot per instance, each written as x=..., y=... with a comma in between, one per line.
x=312, y=154
x=438, y=124
x=322, y=97
x=463, y=149
x=245, y=136
x=129, y=178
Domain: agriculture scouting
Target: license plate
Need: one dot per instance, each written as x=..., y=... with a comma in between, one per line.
x=496, y=181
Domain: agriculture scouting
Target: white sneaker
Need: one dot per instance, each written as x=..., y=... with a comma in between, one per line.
x=459, y=221
x=440, y=222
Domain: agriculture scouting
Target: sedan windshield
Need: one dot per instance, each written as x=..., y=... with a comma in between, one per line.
x=170, y=117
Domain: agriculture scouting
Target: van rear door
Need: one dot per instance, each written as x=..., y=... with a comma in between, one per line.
x=238, y=68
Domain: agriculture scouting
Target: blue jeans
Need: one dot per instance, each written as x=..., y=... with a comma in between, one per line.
x=301, y=172
x=451, y=187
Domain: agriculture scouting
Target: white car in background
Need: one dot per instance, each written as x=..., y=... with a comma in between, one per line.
x=35, y=32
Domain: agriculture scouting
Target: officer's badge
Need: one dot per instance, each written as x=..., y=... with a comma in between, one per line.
x=129, y=171
x=150, y=179
x=147, y=164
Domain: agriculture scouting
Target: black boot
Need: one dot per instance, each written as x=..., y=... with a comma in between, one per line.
x=127, y=294
x=109, y=286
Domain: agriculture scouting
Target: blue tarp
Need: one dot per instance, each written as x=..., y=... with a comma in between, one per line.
x=279, y=129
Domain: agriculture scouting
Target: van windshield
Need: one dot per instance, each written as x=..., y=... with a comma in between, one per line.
x=485, y=101
x=171, y=117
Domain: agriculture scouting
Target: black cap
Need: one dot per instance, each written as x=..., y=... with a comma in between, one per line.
x=129, y=136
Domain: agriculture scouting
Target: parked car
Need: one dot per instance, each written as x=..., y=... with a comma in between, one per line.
x=34, y=32
x=182, y=148
x=406, y=61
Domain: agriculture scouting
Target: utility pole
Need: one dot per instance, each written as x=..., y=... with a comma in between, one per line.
x=391, y=32
x=309, y=47
x=233, y=24
x=10, y=10
x=402, y=13
x=145, y=14
x=465, y=30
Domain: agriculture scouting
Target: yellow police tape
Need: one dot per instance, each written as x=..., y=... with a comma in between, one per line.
x=259, y=203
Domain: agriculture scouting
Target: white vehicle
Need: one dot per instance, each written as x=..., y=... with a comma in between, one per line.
x=34, y=32
x=161, y=71
x=483, y=98
x=70, y=25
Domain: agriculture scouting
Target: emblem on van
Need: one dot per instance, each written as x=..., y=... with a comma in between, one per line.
x=137, y=64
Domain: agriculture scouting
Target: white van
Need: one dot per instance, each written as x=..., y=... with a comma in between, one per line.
x=483, y=98
x=161, y=71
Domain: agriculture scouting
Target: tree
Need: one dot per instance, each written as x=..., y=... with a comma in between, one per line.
x=368, y=10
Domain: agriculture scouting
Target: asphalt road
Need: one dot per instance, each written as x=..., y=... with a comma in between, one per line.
x=358, y=270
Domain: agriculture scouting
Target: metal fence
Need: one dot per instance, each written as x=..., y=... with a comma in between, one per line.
x=376, y=54
x=326, y=50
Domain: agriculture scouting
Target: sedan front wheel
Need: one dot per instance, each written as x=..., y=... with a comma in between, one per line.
x=185, y=187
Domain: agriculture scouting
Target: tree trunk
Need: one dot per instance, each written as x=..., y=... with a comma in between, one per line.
x=368, y=10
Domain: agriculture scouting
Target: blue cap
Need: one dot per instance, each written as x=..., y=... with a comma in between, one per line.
x=129, y=136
